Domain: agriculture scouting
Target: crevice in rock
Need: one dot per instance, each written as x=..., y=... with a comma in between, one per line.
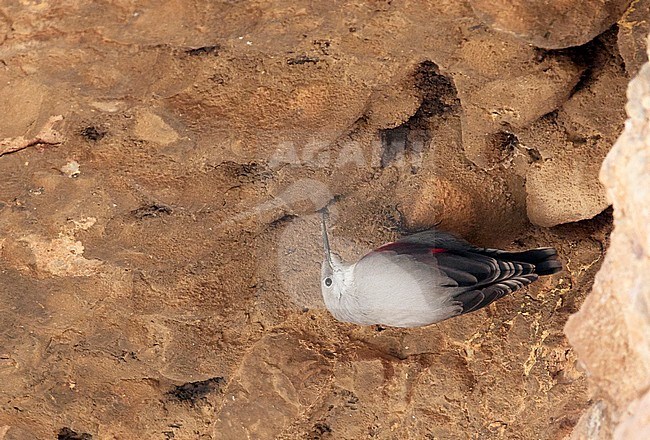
x=192, y=392
x=204, y=50
x=504, y=141
x=152, y=210
x=438, y=97
x=93, y=133
x=302, y=59
x=437, y=91
x=68, y=434
x=604, y=220
x=394, y=143
x=592, y=56
x=286, y=218
x=245, y=172
x=533, y=154
x=320, y=431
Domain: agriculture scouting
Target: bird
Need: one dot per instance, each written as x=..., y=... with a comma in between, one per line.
x=425, y=278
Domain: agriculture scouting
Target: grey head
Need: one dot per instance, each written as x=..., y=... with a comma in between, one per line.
x=335, y=275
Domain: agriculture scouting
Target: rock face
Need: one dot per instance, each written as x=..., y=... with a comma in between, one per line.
x=563, y=186
x=552, y=24
x=543, y=114
x=160, y=247
x=611, y=332
x=633, y=28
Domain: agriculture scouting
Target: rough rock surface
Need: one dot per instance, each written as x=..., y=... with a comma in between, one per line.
x=633, y=29
x=160, y=254
x=562, y=186
x=555, y=24
x=611, y=333
x=518, y=87
x=544, y=113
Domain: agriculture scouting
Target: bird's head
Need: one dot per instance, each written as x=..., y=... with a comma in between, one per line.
x=333, y=272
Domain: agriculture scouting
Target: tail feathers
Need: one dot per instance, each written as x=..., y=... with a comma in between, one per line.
x=476, y=299
x=548, y=267
x=545, y=260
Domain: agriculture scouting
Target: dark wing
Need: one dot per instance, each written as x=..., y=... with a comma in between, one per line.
x=475, y=277
x=545, y=259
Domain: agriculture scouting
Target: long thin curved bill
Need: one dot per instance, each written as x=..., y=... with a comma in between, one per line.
x=326, y=242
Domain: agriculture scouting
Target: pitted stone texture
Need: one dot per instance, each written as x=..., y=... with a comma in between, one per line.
x=562, y=186
x=611, y=332
x=551, y=24
x=512, y=86
x=633, y=28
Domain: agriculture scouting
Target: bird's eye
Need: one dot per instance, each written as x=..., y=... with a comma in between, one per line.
x=328, y=281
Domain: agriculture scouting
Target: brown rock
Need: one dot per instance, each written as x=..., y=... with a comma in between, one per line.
x=562, y=189
x=321, y=107
x=633, y=28
x=505, y=85
x=562, y=186
x=468, y=202
x=611, y=332
x=502, y=100
x=151, y=127
x=504, y=105
x=432, y=200
x=392, y=105
x=25, y=97
x=207, y=243
x=4, y=29
x=270, y=390
x=553, y=24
